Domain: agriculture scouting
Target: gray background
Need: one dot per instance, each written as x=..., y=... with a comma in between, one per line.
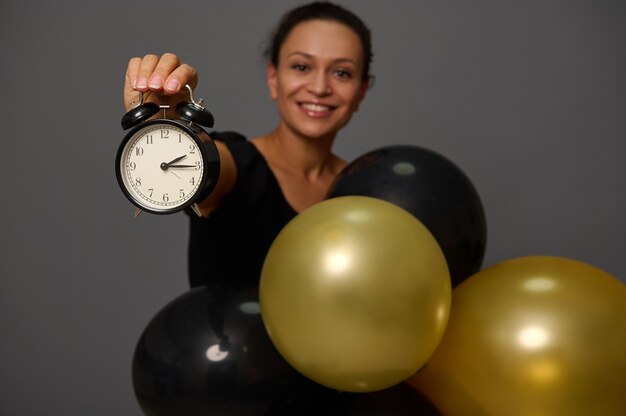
x=527, y=97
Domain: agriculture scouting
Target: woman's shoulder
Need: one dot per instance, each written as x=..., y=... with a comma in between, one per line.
x=228, y=136
x=251, y=182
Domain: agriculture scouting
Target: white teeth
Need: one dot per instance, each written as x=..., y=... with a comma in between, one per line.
x=315, y=107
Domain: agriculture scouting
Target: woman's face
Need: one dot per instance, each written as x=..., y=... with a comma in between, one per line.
x=318, y=82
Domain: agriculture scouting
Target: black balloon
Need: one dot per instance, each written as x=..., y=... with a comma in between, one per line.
x=434, y=190
x=399, y=400
x=207, y=353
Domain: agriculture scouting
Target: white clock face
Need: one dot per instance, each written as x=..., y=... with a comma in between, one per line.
x=161, y=167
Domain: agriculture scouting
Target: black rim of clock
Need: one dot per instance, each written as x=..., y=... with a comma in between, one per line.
x=211, y=165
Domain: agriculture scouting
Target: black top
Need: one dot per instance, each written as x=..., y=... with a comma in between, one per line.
x=229, y=246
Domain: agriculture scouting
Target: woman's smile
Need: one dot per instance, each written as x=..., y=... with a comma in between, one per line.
x=316, y=110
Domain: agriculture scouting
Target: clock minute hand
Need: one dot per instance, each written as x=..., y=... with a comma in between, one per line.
x=165, y=165
x=183, y=166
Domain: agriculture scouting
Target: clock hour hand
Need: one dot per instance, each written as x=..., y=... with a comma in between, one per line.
x=165, y=165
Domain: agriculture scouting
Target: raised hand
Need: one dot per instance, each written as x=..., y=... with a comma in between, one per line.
x=160, y=78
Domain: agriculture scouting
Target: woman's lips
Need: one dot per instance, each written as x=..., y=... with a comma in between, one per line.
x=316, y=110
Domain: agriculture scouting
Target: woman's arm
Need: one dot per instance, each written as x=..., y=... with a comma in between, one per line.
x=225, y=182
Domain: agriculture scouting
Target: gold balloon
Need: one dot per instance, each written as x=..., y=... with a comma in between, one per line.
x=355, y=293
x=540, y=336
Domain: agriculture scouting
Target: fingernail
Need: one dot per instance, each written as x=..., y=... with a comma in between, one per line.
x=172, y=85
x=156, y=82
x=142, y=82
x=133, y=82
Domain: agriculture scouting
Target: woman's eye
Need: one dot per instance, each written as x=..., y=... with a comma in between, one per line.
x=300, y=67
x=342, y=73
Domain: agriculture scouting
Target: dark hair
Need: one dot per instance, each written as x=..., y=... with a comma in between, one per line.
x=320, y=11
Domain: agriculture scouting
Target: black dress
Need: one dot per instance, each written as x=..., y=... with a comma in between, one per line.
x=229, y=247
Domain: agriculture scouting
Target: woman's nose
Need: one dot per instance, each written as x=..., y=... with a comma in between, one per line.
x=319, y=85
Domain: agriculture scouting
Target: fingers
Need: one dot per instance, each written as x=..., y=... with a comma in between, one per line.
x=132, y=72
x=161, y=77
x=165, y=74
x=154, y=70
x=144, y=72
x=181, y=75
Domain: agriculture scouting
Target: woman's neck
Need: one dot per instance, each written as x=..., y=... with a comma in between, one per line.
x=307, y=158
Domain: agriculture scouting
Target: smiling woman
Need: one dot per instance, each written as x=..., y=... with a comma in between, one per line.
x=317, y=84
x=317, y=73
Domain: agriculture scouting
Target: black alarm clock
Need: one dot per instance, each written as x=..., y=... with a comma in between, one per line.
x=166, y=165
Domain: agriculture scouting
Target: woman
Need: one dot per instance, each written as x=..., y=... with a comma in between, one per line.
x=318, y=74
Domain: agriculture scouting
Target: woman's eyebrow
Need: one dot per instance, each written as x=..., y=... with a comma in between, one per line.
x=309, y=56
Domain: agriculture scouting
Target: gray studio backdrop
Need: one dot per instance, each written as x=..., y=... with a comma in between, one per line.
x=527, y=97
